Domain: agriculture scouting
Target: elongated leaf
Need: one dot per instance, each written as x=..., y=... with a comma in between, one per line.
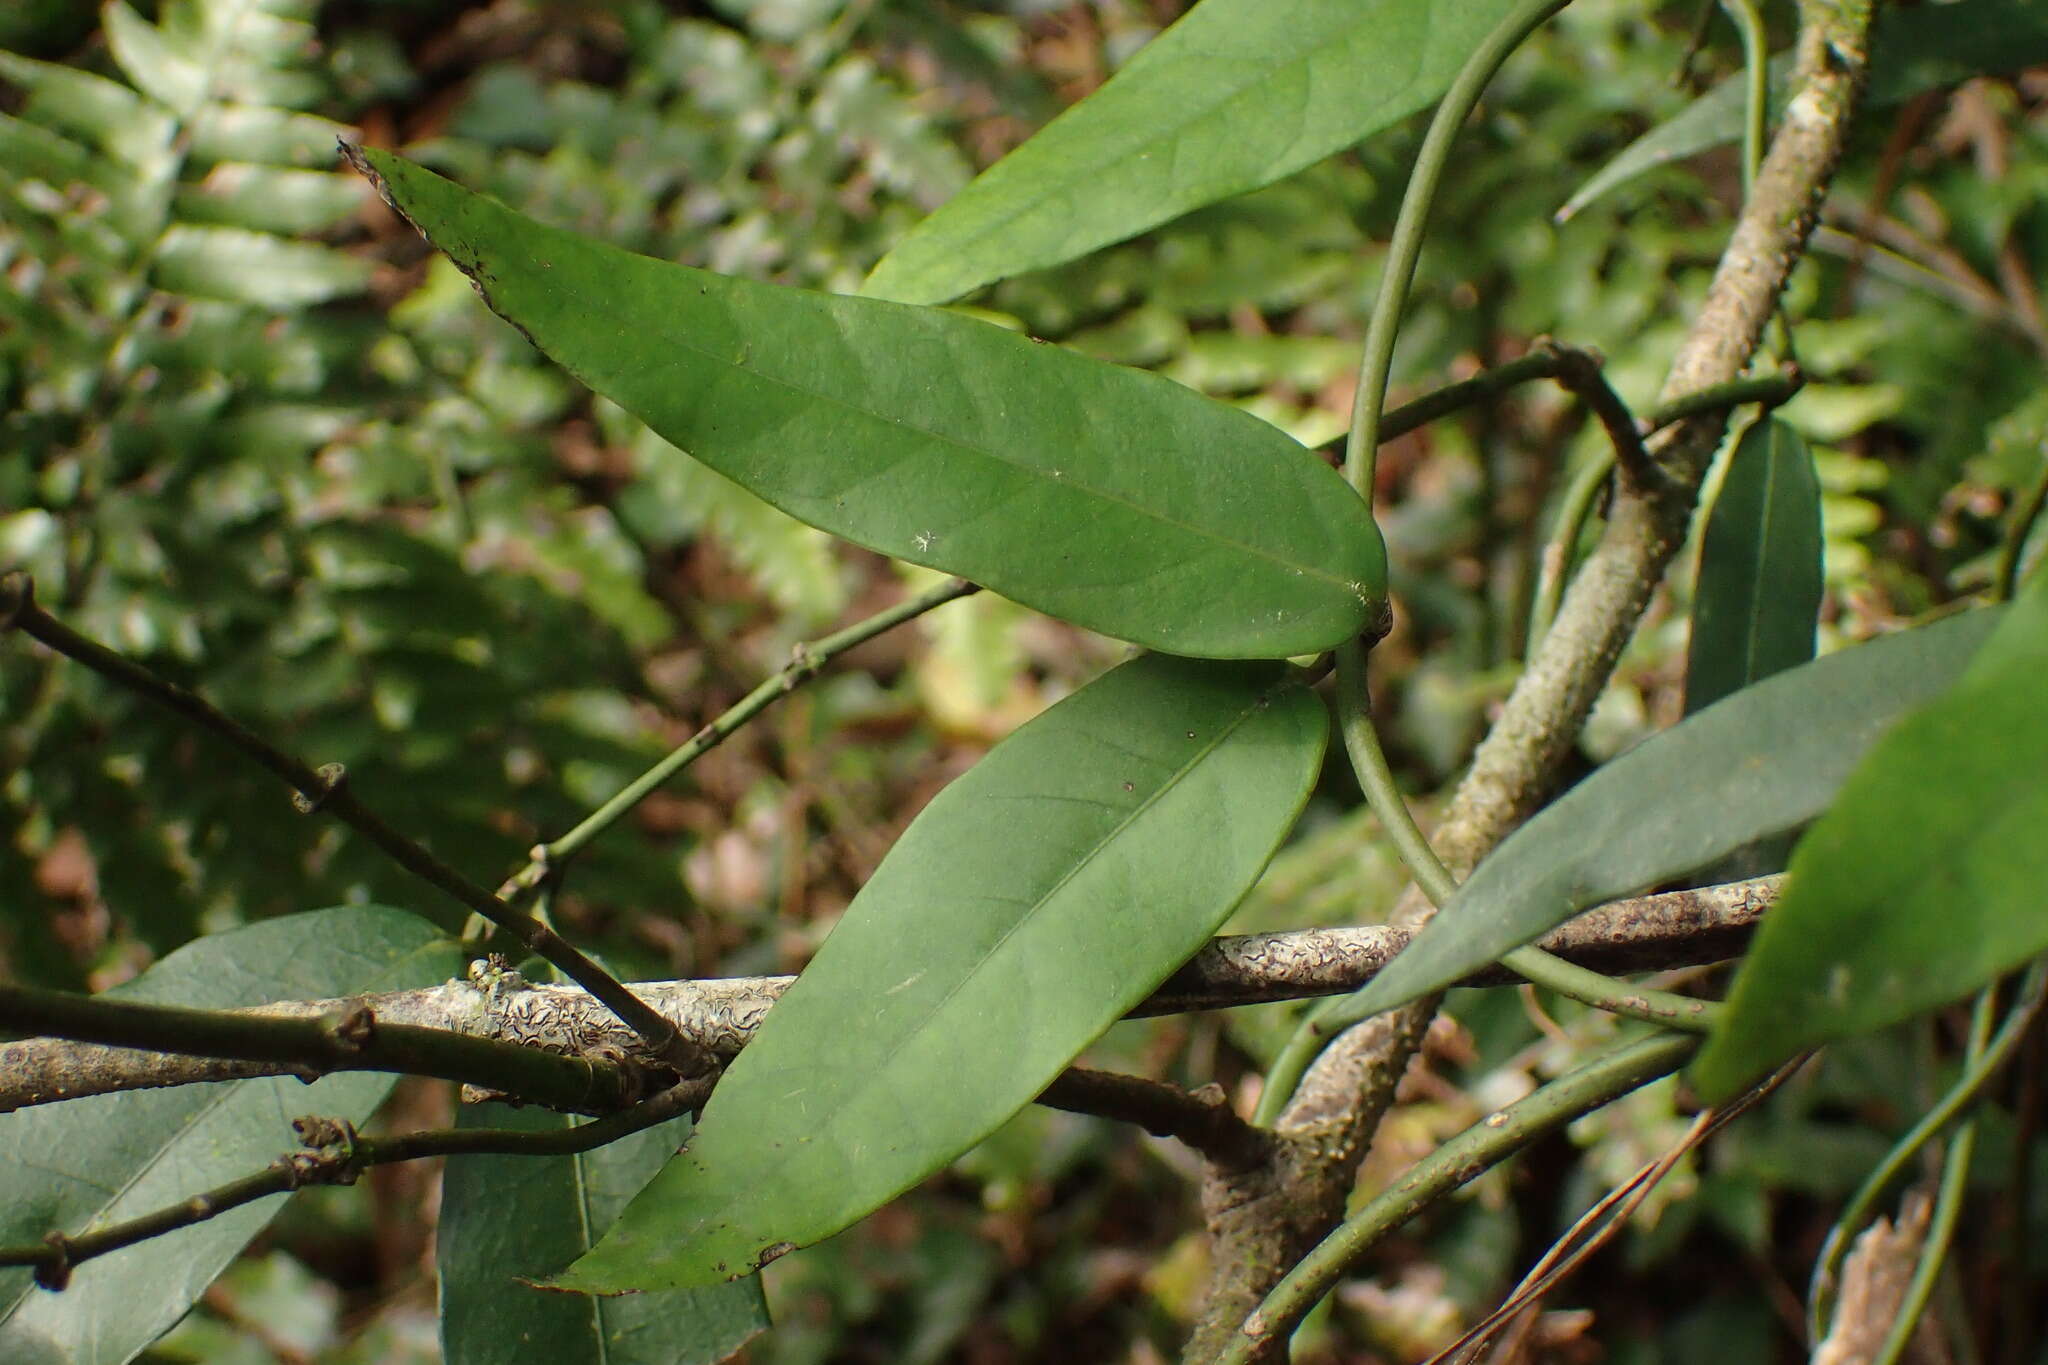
x=1764, y=761
x=1110, y=497
x=89, y=1162
x=1238, y=94
x=1754, y=611
x=1031, y=904
x=509, y=1220
x=1916, y=49
x=1925, y=880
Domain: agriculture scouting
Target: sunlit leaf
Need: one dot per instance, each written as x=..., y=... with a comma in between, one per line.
x=1109, y=497
x=1032, y=903
x=1922, y=883
x=89, y=1162
x=1761, y=762
x=1759, y=590
x=507, y=1221
x=1238, y=94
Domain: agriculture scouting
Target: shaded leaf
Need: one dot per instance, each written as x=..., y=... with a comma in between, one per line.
x=1238, y=94
x=1759, y=591
x=1915, y=49
x=254, y=267
x=1922, y=883
x=270, y=198
x=1764, y=761
x=1109, y=497
x=1031, y=904
x=88, y=1162
x=508, y=1219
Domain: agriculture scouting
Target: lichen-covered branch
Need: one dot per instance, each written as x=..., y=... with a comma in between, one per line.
x=1680, y=928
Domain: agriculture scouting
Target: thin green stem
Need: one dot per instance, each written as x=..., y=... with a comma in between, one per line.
x=1603, y=992
x=1756, y=90
x=2005, y=581
x=1398, y=273
x=1771, y=390
x=1383, y=793
x=1463, y=1158
x=1376, y=777
x=805, y=663
x=1981, y=1067
x=1941, y=1227
x=326, y=790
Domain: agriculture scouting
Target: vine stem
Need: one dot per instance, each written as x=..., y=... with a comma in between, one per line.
x=1474, y=1151
x=1361, y=452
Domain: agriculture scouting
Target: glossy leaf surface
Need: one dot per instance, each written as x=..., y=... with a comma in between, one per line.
x=1764, y=761
x=1238, y=94
x=88, y=1162
x=1915, y=49
x=1922, y=884
x=1758, y=597
x=1032, y=903
x=509, y=1220
x=1109, y=497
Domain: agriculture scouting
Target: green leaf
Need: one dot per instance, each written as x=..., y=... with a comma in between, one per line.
x=1109, y=497
x=1916, y=49
x=89, y=1162
x=1758, y=598
x=1032, y=903
x=1924, y=881
x=254, y=267
x=509, y=1220
x=1238, y=94
x=1759, y=763
x=270, y=198
x=114, y=117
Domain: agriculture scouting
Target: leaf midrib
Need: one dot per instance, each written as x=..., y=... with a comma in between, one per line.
x=769, y=1171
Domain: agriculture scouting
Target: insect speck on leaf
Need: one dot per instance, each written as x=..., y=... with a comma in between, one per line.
x=1130, y=786
x=923, y=541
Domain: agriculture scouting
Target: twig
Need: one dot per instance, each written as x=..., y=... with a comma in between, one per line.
x=806, y=660
x=347, y=1036
x=327, y=790
x=1202, y=1119
x=333, y=1153
x=1599, y=1224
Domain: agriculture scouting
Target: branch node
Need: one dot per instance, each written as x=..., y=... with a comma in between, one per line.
x=333, y=777
x=54, y=1274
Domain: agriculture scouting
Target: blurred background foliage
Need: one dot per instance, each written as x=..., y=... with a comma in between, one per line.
x=254, y=434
